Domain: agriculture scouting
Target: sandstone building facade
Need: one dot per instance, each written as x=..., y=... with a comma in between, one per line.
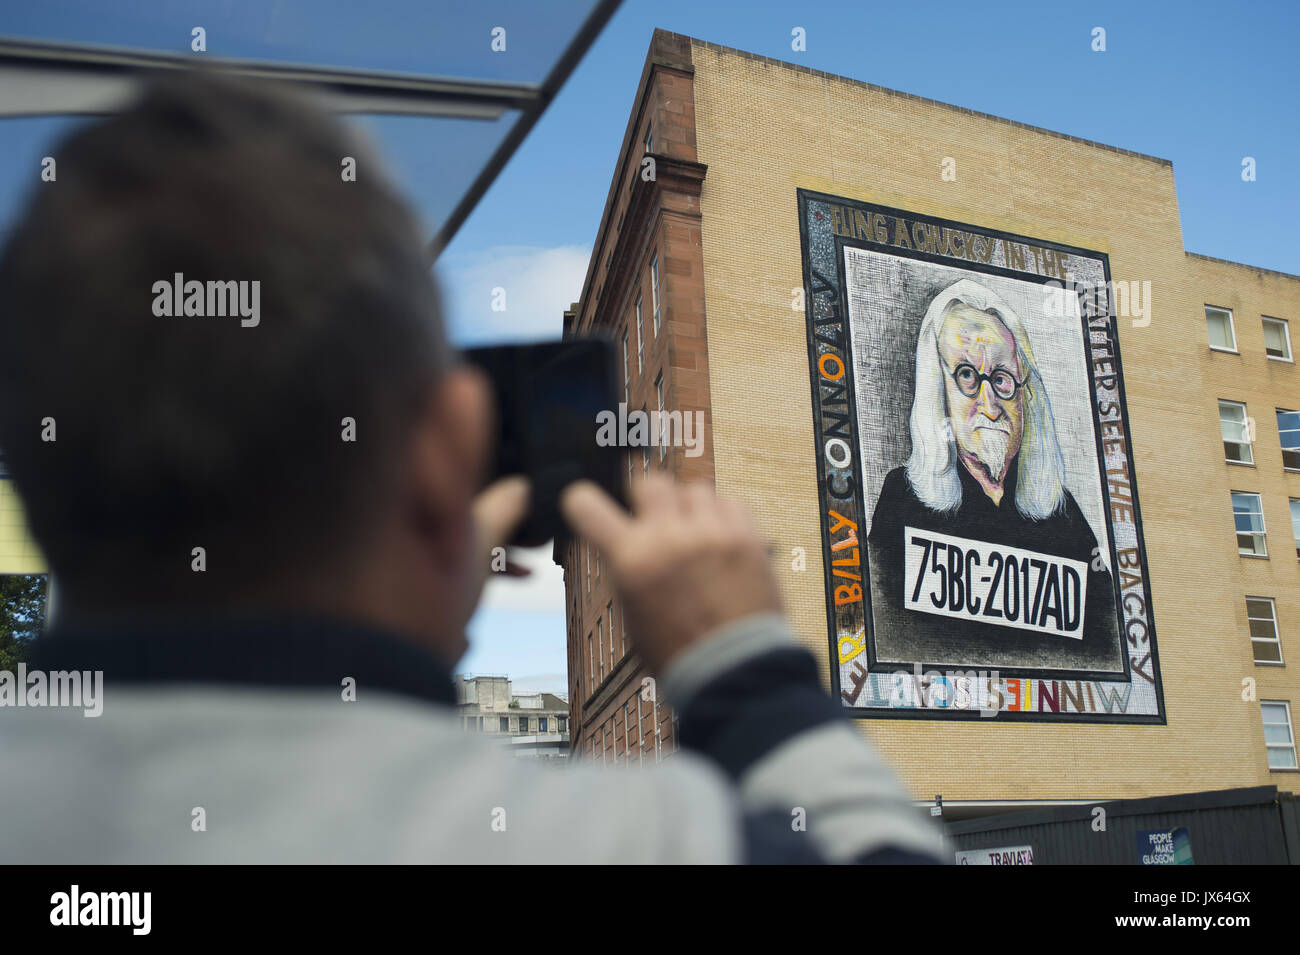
x=737, y=176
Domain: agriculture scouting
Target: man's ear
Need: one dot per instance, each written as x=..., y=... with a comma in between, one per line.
x=450, y=454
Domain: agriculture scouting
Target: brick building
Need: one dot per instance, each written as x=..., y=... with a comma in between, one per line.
x=771, y=240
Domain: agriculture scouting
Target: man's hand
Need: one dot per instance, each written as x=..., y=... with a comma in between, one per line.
x=498, y=510
x=684, y=562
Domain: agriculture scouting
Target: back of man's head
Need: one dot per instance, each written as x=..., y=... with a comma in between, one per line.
x=134, y=437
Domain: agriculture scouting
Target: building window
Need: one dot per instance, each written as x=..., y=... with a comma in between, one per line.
x=587, y=545
x=1218, y=322
x=1235, y=428
x=1248, y=515
x=663, y=421
x=649, y=139
x=1278, y=738
x=640, y=338
x=627, y=374
x=591, y=660
x=541, y=724
x=622, y=620
x=1288, y=434
x=1277, y=338
x=505, y=724
x=1262, y=614
x=561, y=724
x=654, y=288
x=598, y=563
x=609, y=612
x=523, y=724
x=645, y=451
x=1295, y=525
x=600, y=649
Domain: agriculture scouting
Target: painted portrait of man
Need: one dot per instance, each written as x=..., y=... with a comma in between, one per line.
x=982, y=499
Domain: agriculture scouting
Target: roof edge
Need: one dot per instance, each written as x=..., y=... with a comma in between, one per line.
x=920, y=99
x=1244, y=265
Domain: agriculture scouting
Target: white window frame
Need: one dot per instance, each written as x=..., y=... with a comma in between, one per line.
x=1290, y=730
x=591, y=663
x=1232, y=328
x=627, y=732
x=650, y=138
x=663, y=434
x=1265, y=321
x=1282, y=441
x=1244, y=424
x=1276, y=639
x=588, y=546
x=600, y=645
x=654, y=289
x=609, y=612
x=627, y=374
x=1262, y=533
x=1294, y=503
x=640, y=338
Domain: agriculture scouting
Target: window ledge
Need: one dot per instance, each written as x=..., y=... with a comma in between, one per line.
x=1270, y=663
x=1244, y=464
x=1225, y=351
x=1253, y=556
x=1285, y=361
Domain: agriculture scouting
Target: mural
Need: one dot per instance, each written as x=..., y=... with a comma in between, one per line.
x=980, y=527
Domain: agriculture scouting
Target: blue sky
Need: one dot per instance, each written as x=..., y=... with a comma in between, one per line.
x=1202, y=84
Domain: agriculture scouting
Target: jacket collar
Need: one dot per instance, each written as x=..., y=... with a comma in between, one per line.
x=274, y=650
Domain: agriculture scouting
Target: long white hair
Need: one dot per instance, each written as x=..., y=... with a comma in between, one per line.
x=932, y=467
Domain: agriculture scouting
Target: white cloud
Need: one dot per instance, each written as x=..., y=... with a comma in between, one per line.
x=540, y=592
x=540, y=284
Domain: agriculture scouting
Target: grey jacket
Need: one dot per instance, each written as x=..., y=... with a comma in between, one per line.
x=231, y=742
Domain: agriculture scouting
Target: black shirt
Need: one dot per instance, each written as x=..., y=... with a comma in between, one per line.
x=924, y=637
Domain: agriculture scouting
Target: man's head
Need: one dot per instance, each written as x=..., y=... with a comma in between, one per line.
x=982, y=386
x=979, y=395
x=333, y=438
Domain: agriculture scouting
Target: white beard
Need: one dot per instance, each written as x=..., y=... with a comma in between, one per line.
x=992, y=451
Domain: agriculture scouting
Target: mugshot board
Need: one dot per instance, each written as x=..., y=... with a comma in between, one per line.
x=980, y=530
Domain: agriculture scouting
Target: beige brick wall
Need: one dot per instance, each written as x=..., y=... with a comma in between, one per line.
x=18, y=552
x=765, y=130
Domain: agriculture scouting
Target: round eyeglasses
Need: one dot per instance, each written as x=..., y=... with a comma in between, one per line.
x=968, y=379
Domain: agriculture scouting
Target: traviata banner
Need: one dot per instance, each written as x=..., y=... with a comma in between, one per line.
x=1009, y=855
x=981, y=535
